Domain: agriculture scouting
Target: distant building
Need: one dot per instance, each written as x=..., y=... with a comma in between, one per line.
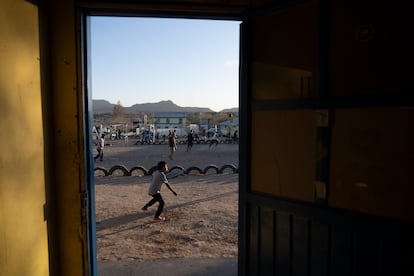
x=229, y=126
x=170, y=120
x=205, y=124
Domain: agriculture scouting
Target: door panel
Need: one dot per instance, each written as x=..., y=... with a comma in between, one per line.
x=326, y=185
x=371, y=48
x=372, y=159
x=284, y=53
x=283, y=153
x=280, y=64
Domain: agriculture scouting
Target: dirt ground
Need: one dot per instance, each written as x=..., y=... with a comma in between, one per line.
x=202, y=221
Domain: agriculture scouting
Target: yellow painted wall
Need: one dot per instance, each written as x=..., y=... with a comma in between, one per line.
x=66, y=162
x=23, y=232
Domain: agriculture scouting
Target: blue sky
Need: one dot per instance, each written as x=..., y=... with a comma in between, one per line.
x=145, y=60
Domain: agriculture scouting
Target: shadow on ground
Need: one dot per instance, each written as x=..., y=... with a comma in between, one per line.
x=170, y=267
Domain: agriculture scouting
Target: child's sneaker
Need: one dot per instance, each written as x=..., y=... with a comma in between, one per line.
x=159, y=218
x=144, y=209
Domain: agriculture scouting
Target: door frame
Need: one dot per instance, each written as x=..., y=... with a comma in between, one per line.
x=84, y=13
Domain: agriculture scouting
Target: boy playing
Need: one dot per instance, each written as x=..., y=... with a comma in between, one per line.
x=158, y=178
x=100, y=148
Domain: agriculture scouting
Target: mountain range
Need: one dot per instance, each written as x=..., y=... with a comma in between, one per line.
x=103, y=106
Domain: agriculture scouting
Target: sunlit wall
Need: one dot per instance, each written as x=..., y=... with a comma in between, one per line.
x=23, y=233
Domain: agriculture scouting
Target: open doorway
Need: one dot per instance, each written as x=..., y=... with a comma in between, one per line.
x=150, y=76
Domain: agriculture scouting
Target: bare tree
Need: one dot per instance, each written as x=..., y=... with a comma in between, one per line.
x=118, y=113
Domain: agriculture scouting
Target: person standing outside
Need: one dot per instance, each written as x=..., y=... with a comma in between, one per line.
x=100, y=148
x=190, y=140
x=235, y=137
x=158, y=178
x=214, y=140
x=172, y=143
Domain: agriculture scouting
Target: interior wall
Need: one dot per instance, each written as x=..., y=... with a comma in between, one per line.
x=23, y=232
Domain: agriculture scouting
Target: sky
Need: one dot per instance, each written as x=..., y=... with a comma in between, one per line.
x=191, y=62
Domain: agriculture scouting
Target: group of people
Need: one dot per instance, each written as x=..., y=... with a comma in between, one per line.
x=159, y=177
x=172, y=143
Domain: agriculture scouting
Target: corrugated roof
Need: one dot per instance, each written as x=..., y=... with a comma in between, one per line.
x=170, y=115
x=234, y=122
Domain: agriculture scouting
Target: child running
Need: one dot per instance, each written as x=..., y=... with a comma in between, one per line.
x=158, y=178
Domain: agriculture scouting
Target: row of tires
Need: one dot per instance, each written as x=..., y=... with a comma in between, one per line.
x=184, y=142
x=121, y=170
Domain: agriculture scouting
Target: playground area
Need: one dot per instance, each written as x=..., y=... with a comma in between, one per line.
x=202, y=221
